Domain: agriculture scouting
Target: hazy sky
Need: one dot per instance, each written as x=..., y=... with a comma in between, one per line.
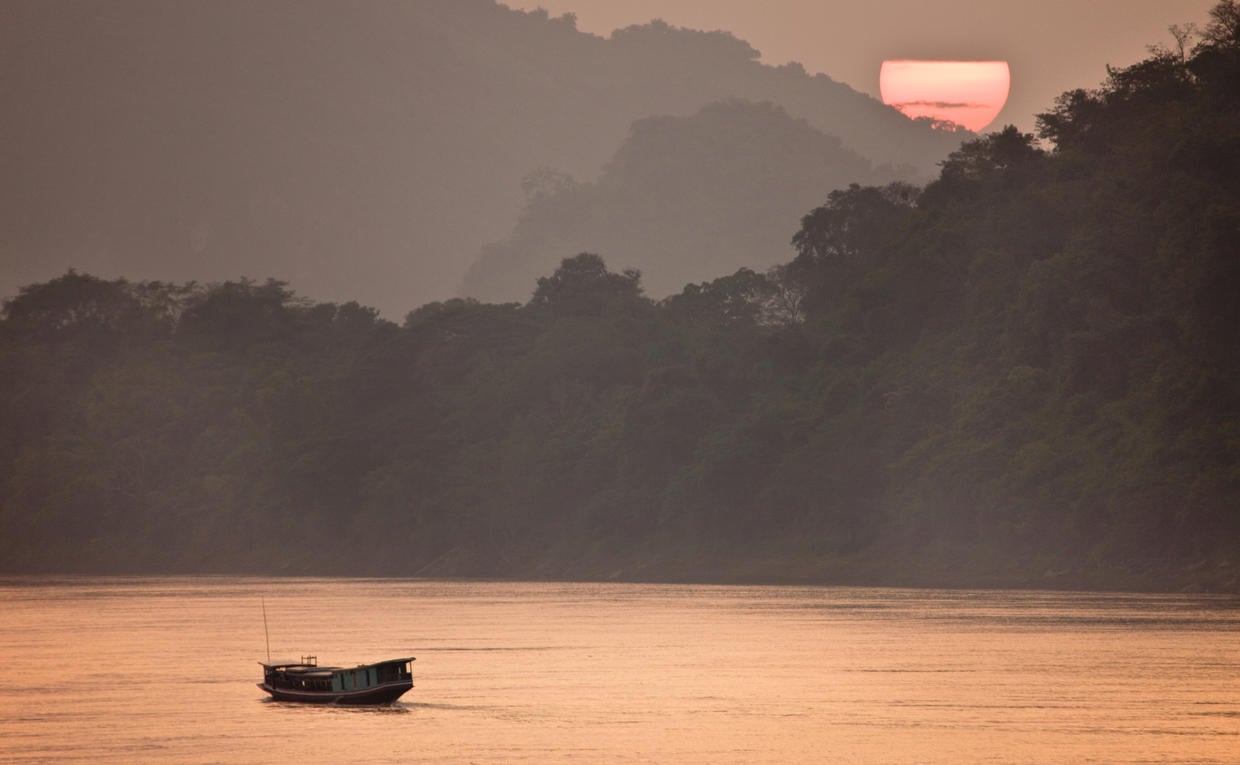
x=1052, y=45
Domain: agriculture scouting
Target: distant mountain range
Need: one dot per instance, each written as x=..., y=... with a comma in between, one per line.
x=683, y=200
x=366, y=150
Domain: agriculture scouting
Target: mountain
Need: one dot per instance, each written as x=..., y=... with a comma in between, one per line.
x=685, y=199
x=361, y=150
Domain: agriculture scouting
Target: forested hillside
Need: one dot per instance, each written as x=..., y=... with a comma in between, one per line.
x=684, y=199
x=1025, y=373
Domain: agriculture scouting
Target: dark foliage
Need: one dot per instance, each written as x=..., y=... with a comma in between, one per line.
x=1025, y=373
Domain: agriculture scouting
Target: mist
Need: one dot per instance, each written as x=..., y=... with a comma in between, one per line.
x=363, y=152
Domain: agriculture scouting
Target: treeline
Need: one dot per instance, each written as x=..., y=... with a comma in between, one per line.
x=1025, y=373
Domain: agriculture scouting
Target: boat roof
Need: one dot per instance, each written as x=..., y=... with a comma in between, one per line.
x=313, y=671
x=301, y=667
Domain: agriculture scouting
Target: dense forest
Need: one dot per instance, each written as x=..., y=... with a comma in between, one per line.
x=1025, y=373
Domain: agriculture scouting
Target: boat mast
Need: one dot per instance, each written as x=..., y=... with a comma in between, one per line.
x=266, y=634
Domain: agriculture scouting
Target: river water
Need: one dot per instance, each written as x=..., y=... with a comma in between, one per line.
x=163, y=671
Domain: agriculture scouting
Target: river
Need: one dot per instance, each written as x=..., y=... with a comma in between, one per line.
x=163, y=670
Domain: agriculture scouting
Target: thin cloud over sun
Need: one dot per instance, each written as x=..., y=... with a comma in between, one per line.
x=940, y=104
x=966, y=93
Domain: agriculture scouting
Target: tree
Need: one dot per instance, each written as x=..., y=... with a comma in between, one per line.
x=852, y=234
x=582, y=285
x=235, y=314
x=729, y=301
x=853, y=222
x=1223, y=29
x=71, y=304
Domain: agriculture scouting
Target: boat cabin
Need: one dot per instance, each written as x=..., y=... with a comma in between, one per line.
x=305, y=680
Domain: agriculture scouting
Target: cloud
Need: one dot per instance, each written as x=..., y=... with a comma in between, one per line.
x=940, y=105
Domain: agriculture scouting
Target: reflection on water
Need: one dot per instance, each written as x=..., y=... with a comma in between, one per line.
x=395, y=708
x=163, y=670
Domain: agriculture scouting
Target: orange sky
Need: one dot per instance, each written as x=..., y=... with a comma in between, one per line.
x=1051, y=45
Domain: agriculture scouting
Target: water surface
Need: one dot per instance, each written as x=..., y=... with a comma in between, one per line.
x=163, y=670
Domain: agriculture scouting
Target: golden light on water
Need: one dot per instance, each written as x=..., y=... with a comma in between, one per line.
x=967, y=93
x=163, y=671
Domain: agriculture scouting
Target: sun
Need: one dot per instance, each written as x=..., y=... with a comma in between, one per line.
x=967, y=93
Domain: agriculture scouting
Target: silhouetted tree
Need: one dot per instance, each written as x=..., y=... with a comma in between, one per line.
x=582, y=285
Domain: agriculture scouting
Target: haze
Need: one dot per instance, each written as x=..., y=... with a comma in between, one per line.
x=366, y=151
x=374, y=152
x=1052, y=46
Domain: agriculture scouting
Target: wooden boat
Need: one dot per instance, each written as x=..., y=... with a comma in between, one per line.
x=379, y=683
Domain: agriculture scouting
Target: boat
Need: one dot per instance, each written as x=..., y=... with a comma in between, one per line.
x=380, y=683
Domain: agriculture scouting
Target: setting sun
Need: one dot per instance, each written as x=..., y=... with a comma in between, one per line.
x=967, y=93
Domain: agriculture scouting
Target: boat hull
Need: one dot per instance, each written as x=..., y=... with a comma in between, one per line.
x=379, y=694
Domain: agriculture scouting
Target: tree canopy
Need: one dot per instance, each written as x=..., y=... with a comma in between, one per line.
x=1023, y=374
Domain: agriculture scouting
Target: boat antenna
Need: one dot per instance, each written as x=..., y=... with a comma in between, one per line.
x=266, y=634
